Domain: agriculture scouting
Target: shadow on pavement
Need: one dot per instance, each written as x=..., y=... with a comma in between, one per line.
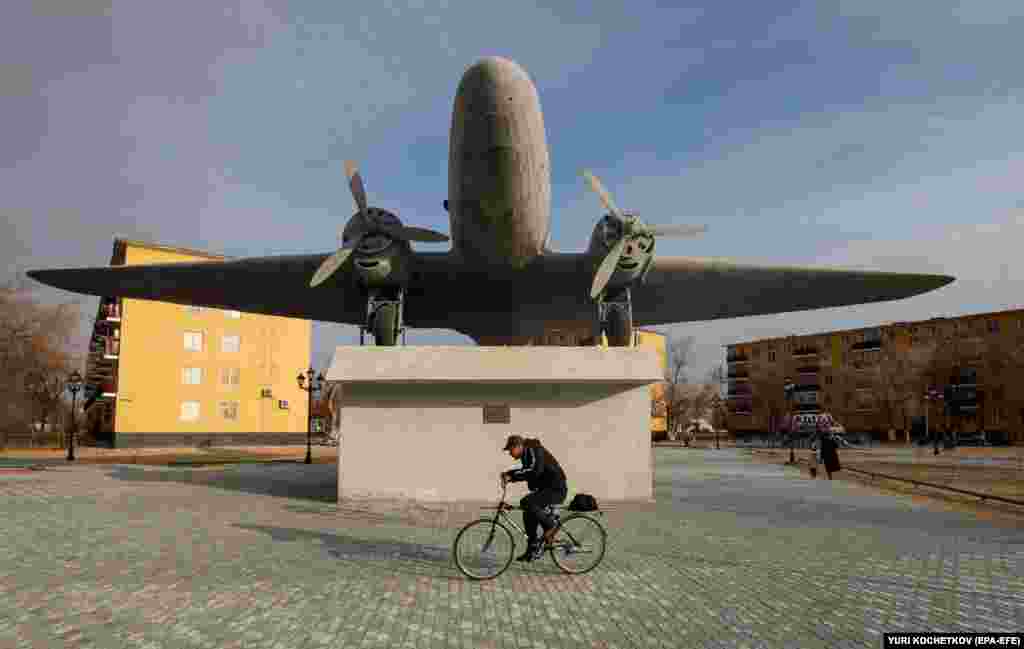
x=315, y=482
x=402, y=556
x=405, y=557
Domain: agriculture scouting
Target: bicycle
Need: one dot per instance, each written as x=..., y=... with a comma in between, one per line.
x=577, y=535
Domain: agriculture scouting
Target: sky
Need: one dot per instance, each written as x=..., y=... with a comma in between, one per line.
x=851, y=133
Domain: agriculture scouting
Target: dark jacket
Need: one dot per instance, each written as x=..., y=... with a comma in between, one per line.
x=830, y=454
x=540, y=468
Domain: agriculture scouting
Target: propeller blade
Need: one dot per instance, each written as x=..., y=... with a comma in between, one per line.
x=604, y=272
x=603, y=194
x=330, y=265
x=405, y=233
x=678, y=230
x=355, y=183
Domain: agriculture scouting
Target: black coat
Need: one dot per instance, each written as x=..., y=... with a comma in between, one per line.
x=540, y=469
x=830, y=454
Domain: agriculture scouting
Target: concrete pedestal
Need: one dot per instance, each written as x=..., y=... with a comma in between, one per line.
x=429, y=423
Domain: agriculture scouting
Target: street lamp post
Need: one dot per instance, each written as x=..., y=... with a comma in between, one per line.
x=310, y=384
x=788, y=388
x=74, y=384
x=931, y=394
x=33, y=386
x=716, y=417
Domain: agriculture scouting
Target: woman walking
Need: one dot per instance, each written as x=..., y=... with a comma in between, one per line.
x=830, y=454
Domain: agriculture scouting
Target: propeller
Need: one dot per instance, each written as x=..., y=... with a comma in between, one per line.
x=632, y=227
x=368, y=224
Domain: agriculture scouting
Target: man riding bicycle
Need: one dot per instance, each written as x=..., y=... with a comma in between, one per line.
x=546, y=481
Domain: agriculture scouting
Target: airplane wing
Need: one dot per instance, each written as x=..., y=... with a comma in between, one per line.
x=685, y=289
x=270, y=285
x=445, y=292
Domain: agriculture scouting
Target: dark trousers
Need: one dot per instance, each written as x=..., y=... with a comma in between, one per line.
x=533, y=505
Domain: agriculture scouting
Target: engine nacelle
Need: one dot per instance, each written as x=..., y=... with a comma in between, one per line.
x=635, y=256
x=379, y=261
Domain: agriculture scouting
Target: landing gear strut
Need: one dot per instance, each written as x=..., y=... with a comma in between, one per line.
x=384, y=319
x=615, y=318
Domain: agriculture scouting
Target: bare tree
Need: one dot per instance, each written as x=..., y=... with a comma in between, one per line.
x=716, y=378
x=35, y=356
x=698, y=406
x=768, y=394
x=679, y=351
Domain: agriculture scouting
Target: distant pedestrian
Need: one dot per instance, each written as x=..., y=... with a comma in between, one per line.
x=815, y=455
x=830, y=454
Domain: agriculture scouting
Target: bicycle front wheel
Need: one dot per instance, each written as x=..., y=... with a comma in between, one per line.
x=579, y=545
x=483, y=549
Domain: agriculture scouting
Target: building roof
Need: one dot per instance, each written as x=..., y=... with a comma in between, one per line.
x=121, y=244
x=966, y=316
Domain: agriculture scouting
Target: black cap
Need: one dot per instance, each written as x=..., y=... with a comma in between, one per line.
x=513, y=440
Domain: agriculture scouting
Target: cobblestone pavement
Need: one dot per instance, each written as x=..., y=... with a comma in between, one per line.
x=733, y=554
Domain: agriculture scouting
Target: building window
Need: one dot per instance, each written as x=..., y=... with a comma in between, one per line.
x=993, y=326
x=191, y=375
x=828, y=379
x=229, y=410
x=235, y=315
x=229, y=376
x=189, y=410
x=194, y=341
x=771, y=356
x=230, y=344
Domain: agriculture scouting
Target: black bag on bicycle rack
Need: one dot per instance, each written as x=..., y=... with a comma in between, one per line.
x=583, y=503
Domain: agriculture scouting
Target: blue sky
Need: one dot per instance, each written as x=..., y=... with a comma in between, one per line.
x=860, y=133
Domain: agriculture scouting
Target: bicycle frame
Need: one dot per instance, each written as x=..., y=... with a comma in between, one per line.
x=502, y=513
x=564, y=544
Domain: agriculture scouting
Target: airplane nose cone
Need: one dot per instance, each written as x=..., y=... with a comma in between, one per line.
x=490, y=83
x=495, y=68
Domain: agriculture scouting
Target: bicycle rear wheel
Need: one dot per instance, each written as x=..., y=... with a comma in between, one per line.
x=483, y=549
x=579, y=544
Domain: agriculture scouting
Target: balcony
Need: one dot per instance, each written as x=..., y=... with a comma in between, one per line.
x=734, y=357
x=108, y=388
x=111, y=311
x=806, y=352
x=867, y=346
x=805, y=408
x=742, y=407
x=807, y=369
x=740, y=389
x=738, y=373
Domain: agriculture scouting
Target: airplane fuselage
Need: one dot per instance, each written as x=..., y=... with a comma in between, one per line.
x=499, y=183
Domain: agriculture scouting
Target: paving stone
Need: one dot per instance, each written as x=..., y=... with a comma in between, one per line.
x=733, y=554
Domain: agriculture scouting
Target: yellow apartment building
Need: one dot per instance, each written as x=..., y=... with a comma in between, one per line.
x=655, y=340
x=163, y=374
x=874, y=379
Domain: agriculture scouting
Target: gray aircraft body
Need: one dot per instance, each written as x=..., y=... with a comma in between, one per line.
x=499, y=282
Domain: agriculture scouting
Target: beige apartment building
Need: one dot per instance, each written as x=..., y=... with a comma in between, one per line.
x=161, y=374
x=875, y=379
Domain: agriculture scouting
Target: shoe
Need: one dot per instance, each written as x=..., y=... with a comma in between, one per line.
x=549, y=535
x=531, y=551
